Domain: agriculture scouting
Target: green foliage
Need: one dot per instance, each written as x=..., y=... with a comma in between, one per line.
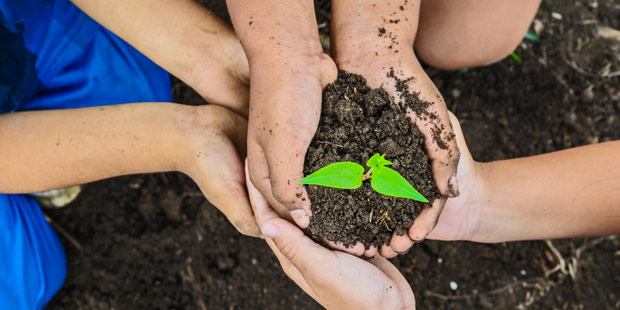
x=516, y=57
x=345, y=175
x=389, y=182
x=348, y=175
x=377, y=161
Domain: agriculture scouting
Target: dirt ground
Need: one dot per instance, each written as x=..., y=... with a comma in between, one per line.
x=153, y=242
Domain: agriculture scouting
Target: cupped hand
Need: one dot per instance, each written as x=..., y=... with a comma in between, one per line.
x=460, y=217
x=217, y=142
x=365, y=42
x=285, y=106
x=334, y=279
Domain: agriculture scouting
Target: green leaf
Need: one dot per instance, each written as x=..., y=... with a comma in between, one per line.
x=346, y=175
x=516, y=57
x=532, y=36
x=377, y=161
x=389, y=182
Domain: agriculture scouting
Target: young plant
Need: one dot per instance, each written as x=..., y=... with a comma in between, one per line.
x=349, y=175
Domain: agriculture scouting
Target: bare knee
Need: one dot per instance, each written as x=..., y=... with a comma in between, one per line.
x=458, y=54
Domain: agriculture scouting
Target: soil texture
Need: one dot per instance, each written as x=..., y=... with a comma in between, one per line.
x=153, y=241
x=356, y=123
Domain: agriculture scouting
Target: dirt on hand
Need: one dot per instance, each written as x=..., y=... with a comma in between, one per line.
x=356, y=123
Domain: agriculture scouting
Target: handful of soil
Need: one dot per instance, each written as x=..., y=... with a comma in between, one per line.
x=357, y=122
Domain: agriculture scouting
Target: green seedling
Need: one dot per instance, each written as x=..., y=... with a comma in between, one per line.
x=532, y=36
x=349, y=175
x=516, y=57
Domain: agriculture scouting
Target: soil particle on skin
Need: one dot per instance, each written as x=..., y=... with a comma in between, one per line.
x=357, y=122
x=420, y=107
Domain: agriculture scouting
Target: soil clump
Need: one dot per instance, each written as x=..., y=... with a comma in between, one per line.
x=356, y=123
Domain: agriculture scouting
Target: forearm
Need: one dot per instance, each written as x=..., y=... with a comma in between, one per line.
x=572, y=193
x=184, y=38
x=374, y=28
x=277, y=37
x=43, y=150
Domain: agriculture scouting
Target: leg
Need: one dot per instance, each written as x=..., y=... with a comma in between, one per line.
x=455, y=34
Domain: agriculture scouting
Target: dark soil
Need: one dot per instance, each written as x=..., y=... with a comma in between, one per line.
x=136, y=253
x=357, y=122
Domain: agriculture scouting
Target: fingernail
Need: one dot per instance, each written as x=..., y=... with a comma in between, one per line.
x=301, y=218
x=403, y=253
x=270, y=230
x=453, y=187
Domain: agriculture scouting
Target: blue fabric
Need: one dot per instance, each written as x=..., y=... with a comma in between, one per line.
x=53, y=56
x=32, y=265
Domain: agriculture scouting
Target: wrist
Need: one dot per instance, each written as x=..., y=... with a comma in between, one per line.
x=199, y=126
x=482, y=222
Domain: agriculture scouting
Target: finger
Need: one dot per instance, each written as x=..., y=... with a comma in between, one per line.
x=387, y=252
x=285, y=171
x=291, y=271
x=225, y=189
x=460, y=138
x=297, y=248
x=371, y=252
x=426, y=220
x=406, y=294
x=356, y=249
x=261, y=209
x=259, y=174
x=401, y=244
x=441, y=147
x=328, y=70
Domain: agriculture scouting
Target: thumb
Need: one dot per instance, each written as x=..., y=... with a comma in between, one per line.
x=295, y=246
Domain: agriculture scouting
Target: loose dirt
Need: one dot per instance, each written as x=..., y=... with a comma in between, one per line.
x=356, y=123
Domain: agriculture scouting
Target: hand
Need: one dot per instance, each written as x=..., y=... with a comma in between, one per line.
x=460, y=217
x=284, y=116
x=334, y=279
x=379, y=56
x=217, y=141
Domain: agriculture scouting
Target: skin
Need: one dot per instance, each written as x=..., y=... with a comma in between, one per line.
x=341, y=281
x=67, y=147
x=288, y=72
x=359, y=48
x=586, y=204
x=566, y=194
x=499, y=26
x=191, y=43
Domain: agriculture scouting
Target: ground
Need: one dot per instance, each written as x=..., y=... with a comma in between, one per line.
x=153, y=242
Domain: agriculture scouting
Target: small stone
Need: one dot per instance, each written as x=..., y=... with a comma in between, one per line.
x=453, y=285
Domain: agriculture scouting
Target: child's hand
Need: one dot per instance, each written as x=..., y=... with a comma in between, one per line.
x=217, y=140
x=366, y=43
x=334, y=279
x=460, y=216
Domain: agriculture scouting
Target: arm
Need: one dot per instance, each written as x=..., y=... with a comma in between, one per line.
x=43, y=150
x=185, y=39
x=572, y=193
x=565, y=194
x=372, y=38
x=340, y=281
x=288, y=73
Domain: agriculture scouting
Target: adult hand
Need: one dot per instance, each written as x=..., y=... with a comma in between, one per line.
x=334, y=279
x=374, y=39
